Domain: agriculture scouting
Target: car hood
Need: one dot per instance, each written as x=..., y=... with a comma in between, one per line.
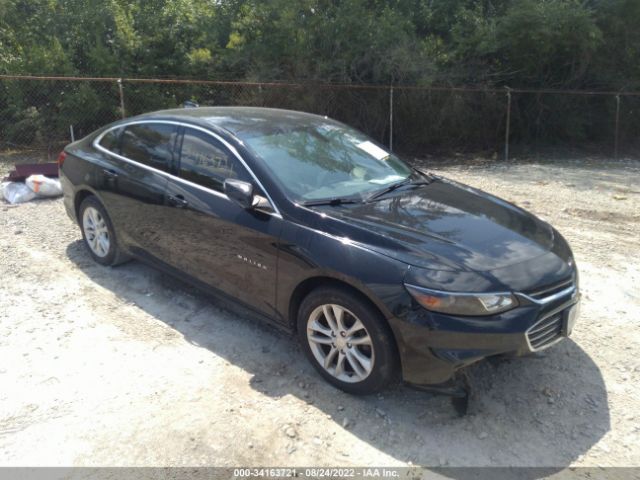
x=443, y=225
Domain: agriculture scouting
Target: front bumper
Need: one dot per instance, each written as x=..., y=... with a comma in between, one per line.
x=433, y=346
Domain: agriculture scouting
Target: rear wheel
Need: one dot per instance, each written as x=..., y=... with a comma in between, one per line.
x=347, y=341
x=98, y=232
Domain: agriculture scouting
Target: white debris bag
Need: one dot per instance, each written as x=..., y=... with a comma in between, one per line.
x=16, y=192
x=44, y=186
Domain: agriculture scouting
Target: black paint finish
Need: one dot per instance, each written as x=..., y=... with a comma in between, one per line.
x=441, y=235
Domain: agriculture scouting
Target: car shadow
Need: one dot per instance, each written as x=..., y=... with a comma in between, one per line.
x=541, y=411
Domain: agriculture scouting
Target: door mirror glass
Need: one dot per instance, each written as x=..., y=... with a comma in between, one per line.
x=239, y=191
x=261, y=203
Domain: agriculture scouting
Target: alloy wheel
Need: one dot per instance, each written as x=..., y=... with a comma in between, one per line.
x=96, y=231
x=340, y=343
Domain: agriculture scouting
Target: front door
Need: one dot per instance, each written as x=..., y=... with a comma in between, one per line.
x=213, y=238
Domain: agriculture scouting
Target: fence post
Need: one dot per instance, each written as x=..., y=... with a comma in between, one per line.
x=615, y=140
x=120, y=89
x=508, y=126
x=391, y=118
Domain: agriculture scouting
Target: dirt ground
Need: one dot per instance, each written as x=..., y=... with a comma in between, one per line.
x=125, y=366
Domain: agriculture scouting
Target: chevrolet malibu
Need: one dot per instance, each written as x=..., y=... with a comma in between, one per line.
x=383, y=271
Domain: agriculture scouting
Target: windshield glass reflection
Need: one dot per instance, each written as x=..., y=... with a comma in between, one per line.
x=325, y=160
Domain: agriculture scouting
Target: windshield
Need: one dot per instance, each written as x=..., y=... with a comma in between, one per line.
x=326, y=161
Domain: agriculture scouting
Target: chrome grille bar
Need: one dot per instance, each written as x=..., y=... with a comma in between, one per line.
x=545, y=332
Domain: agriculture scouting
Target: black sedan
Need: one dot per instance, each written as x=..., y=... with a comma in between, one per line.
x=384, y=271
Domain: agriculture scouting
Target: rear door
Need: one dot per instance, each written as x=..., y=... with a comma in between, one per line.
x=141, y=156
x=215, y=240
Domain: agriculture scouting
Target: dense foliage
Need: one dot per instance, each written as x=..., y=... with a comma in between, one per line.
x=560, y=44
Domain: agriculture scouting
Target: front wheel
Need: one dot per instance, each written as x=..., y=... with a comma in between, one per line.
x=347, y=341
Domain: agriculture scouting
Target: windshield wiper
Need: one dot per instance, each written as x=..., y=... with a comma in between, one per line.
x=426, y=180
x=387, y=189
x=334, y=202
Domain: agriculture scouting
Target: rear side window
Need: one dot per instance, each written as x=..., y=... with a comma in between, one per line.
x=111, y=140
x=151, y=144
x=203, y=160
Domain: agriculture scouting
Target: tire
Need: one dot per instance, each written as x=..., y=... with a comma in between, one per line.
x=323, y=344
x=98, y=233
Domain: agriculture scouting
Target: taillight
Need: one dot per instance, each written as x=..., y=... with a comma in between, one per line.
x=61, y=158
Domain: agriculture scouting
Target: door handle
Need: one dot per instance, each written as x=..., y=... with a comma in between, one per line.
x=110, y=173
x=177, y=201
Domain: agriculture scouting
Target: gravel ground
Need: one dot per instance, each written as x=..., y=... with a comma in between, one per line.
x=125, y=366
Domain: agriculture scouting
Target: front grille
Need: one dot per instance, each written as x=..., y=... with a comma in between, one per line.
x=545, y=332
x=548, y=290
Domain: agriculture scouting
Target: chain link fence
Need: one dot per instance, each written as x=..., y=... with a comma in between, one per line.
x=41, y=114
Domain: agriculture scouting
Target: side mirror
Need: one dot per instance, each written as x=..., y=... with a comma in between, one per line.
x=239, y=191
x=242, y=193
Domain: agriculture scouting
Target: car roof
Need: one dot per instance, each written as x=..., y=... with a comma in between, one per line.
x=245, y=122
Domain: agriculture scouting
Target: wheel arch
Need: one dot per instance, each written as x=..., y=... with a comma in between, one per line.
x=307, y=285
x=79, y=197
x=121, y=255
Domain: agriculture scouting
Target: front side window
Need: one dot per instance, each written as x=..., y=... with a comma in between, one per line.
x=151, y=144
x=325, y=160
x=206, y=162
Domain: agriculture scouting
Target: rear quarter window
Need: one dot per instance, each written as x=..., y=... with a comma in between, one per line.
x=111, y=140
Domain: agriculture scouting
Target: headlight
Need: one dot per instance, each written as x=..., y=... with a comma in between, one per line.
x=472, y=304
